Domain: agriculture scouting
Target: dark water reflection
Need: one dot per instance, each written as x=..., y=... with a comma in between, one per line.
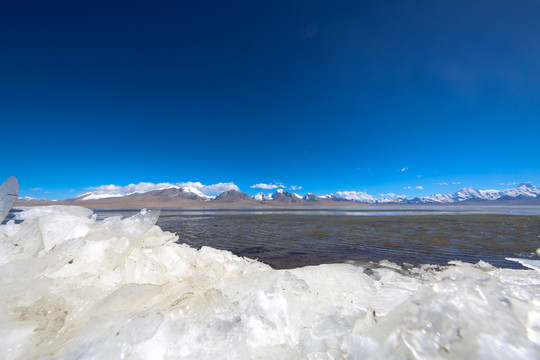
x=286, y=241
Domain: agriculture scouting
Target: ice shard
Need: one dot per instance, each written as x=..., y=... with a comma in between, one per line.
x=529, y=263
x=8, y=195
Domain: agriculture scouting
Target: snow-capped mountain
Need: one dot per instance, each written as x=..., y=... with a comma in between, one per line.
x=231, y=196
x=522, y=191
x=392, y=200
x=183, y=193
x=280, y=195
x=167, y=194
x=284, y=196
x=311, y=197
x=166, y=190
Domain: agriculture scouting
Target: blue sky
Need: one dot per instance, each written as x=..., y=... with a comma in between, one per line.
x=324, y=96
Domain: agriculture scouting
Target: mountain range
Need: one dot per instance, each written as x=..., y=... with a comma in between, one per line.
x=524, y=193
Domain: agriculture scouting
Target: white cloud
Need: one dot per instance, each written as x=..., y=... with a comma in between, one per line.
x=508, y=184
x=407, y=187
x=267, y=186
x=142, y=187
x=27, y=198
x=295, y=187
x=404, y=169
x=388, y=195
x=213, y=189
x=117, y=190
x=419, y=187
x=356, y=196
x=35, y=189
x=453, y=183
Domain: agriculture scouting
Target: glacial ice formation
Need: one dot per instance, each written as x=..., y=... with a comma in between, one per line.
x=8, y=196
x=77, y=288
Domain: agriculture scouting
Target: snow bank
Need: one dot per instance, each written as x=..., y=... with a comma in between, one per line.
x=73, y=287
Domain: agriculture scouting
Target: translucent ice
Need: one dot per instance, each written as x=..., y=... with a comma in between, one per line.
x=73, y=287
x=8, y=195
x=531, y=264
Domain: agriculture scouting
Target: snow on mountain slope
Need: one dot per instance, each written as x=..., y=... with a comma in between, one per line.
x=196, y=192
x=196, y=188
x=109, y=191
x=285, y=196
x=312, y=197
x=523, y=190
x=199, y=192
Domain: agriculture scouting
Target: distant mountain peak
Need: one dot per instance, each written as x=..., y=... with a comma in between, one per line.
x=312, y=197
x=285, y=196
x=524, y=191
x=232, y=195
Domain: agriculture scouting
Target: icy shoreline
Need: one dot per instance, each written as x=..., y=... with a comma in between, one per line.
x=75, y=287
